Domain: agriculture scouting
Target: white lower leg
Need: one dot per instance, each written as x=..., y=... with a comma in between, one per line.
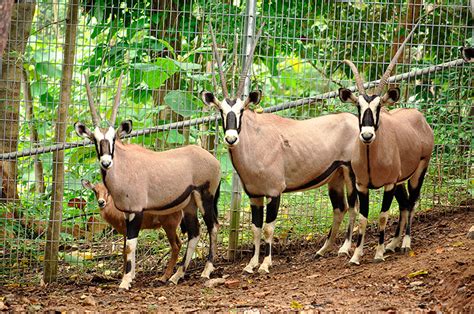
x=395, y=241
x=257, y=233
x=406, y=244
x=209, y=268
x=189, y=254
x=329, y=243
x=381, y=247
x=131, y=246
x=344, y=250
x=268, y=236
x=359, y=251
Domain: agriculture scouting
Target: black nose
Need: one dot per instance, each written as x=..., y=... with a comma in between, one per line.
x=101, y=203
x=105, y=164
x=231, y=139
x=367, y=136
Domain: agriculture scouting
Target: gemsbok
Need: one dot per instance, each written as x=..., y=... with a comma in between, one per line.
x=391, y=147
x=275, y=155
x=141, y=180
x=114, y=217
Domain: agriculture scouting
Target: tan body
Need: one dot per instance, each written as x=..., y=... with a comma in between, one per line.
x=404, y=139
x=170, y=223
x=277, y=154
x=163, y=179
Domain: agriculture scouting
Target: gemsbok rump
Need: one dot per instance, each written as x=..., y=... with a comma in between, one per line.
x=160, y=183
x=391, y=147
x=275, y=155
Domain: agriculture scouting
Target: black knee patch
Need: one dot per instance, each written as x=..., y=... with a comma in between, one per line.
x=337, y=199
x=364, y=203
x=192, y=225
x=381, y=237
x=257, y=215
x=359, y=239
x=128, y=267
x=267, y=248
x=272, y=209
x=387, y=200
x=133, y=227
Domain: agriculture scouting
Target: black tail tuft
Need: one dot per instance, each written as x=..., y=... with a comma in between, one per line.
x=216, y=200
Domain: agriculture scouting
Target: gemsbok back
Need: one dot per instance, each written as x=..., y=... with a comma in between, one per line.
x=275, y=155
x=160, y=183
x=391, y=147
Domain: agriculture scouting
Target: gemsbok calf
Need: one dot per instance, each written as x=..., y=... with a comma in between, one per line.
x=391, y=147
x=114, y=217
x=161, y=183
x=275, y=155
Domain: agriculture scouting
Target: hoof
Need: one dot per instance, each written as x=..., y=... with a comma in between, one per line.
x=124, y=285
x=263, y=269
x=379, y=260
x=318, y=256
x=389, y=250
x=248, y=269
x=343, y=253
x=354, y=262
x=173, y=281
x=405, y=250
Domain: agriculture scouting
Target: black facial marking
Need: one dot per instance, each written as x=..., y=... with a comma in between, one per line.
x=368, y=118
x=231, y=102
x=369, y=98
x=104, y=147
x=323, y=176
x=231, y=121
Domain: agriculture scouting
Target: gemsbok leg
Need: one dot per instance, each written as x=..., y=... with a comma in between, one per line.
x=338, y=202
x=401, y=195
x=388, y=194
x=268, y=229
x=192, y=227
x=256, y=205
x=363, y=194
x=209, y=204
x=352, y=200
x=414, y=188
x=170, y=226
x=133, y=223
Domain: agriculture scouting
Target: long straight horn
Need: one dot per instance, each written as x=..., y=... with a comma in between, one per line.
x=393, y=62
x=358, y=78
x=90, y=98
x=219, y=63
x=113, y=117
x=248, y=63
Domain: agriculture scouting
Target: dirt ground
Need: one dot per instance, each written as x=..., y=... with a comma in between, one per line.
x=437, y=275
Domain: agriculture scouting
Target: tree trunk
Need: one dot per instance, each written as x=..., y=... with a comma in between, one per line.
x=168, y=30
x=407, y=23
x=10, y=87
x=5, y=17
x=55, y=215
x=30, y=117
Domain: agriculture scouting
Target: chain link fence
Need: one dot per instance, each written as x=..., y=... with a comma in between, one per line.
x=163, y=49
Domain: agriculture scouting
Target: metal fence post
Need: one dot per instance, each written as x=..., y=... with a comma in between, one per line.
x=235, y=207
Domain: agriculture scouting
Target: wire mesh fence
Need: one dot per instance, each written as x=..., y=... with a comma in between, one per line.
x=163, y=50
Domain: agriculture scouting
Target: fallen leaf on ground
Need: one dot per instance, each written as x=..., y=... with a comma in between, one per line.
x=439, y=250
x=295, y=305
x=417, y=273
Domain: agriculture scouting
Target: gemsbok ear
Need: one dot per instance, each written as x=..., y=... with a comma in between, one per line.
x=87, y=184
x=391, y=96
x=82, y=130
x=209, y=99
x=124, y=128
x=345, y=95
x=254, y=98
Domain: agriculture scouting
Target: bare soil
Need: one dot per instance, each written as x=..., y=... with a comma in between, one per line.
x=437, y=275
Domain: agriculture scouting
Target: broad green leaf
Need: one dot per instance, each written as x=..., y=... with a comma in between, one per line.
x=39, y=88
x=48, y=69
x=184, y=103
x=187, y=66
x=153, y=74
x=171, y=137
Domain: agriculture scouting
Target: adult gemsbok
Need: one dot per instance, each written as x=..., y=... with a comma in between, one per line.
x=160, y=183
x=392, y=147
x=275, y=155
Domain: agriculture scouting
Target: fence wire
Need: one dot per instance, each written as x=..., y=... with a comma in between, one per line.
x=163, y=47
